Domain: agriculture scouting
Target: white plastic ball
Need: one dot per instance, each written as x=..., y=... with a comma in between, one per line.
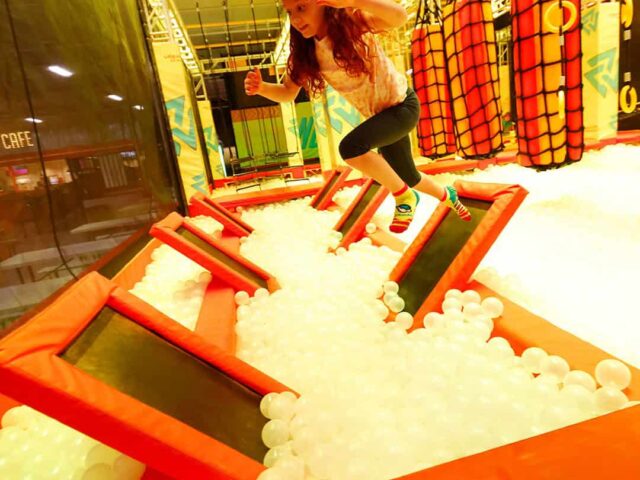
x=261, y=293
x=265, y=403
x=275, y=432
x=609, y=399
x=470, y=296
x=281, y=407
x=451, y=303
x=554, y=367
x=396, y=304
x=241, y=298
x=433, y=319
x=370, y=228
x=492, y=306
x=404, y=320
x=578, y=377
x=613, y=373
x=532, y=359
x=453, y=293
x=391, y=287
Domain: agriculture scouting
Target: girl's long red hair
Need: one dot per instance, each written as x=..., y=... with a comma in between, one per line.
x=350, y=51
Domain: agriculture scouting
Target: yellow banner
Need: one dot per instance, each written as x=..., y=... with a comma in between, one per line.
x=600, y=63
x=216, y=159
x=334, y=118
x=176, y=89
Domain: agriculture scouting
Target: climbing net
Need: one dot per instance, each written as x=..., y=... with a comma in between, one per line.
x=456, y=77
x=548, y=80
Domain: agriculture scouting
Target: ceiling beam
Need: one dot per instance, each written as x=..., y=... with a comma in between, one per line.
x=233, y=44
x=193, y=26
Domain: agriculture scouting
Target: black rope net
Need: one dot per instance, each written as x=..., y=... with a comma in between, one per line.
x=435, y=128
x=548, y=80
x=470, y=44
x=456, y=77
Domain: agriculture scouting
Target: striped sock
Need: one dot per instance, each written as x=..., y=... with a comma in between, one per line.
x=406, y=203
x=450, y=199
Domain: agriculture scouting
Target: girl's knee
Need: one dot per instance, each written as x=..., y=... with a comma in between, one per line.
x=350, y=148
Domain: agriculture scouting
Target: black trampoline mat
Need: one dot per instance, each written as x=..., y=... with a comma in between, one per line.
x=325, y=189
x=359, y=208
x=222, y=257
x=128, y=357
x=437, y=254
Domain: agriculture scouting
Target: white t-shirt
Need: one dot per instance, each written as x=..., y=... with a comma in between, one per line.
x=369, y=94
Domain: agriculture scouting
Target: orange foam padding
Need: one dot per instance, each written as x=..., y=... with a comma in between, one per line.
x=217, y=319
x=505, y=200
x=165, y=231
x=471, y=50
x=6, y=403
x=134, y=271
x=356, y=230
x=603, y=447
x=435, y=127
x=629, y=136
x=200, y=204
x=297, y=172
x=267, y=196
x=336, y=180
x=32, y=372
x=445, y=166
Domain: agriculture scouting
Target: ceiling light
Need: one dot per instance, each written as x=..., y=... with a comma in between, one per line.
x=33, y=120
x=115, y=98
x=58, y=70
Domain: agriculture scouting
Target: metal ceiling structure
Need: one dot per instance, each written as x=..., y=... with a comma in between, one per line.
x=220, y=32
x=220, y=29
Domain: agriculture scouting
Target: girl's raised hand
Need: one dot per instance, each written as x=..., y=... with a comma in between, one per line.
x=253, y=82
x=336, y=3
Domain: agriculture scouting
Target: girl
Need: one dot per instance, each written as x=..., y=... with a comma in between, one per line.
x=333, y=41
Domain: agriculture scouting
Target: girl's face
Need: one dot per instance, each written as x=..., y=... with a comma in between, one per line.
x=306, y=16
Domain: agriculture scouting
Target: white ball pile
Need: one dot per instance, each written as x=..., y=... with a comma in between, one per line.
x=377, y=401
x=410, y=401
x=175, y=284
x=289, y=238
x=345, y=196
x=34, y=446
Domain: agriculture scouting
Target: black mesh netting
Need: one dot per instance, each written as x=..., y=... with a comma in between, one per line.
x=548, y=80
x=456, y=77
x=435, y=128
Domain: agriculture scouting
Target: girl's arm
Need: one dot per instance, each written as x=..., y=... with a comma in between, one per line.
x=281, y=93
x=379, y=15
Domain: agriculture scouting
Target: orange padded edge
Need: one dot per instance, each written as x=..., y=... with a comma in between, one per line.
x=134, y=271
x=506, y=199
x=200, y=204
x=165, y=231
x=267, y=196
x=328, y=178
x=340, y=182
x=217, y=319
x=358, y=227
x=444, y=166
x=31, y=372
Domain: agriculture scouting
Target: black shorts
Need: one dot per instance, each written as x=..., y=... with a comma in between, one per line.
x=388, y=131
